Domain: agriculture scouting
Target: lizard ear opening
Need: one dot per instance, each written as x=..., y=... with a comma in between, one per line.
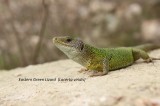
x=82, y=46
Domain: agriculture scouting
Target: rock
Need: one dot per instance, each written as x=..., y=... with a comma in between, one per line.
x=137, y=85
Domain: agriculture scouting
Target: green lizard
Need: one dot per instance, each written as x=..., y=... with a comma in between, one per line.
x=102, y=60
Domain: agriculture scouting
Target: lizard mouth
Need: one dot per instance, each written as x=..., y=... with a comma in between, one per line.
x=59, y=42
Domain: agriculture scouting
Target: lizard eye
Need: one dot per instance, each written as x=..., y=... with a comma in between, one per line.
x=69, y=40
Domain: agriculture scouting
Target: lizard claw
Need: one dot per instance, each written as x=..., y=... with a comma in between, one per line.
x=149, y=60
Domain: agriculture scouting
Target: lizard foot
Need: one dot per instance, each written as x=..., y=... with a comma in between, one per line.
x=97, y=74
x=149, y=60
x=83, y=70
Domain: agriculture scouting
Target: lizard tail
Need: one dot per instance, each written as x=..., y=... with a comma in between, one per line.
x=148, y=47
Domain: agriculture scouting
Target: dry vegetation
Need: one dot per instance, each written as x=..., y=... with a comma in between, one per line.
x=27, y=27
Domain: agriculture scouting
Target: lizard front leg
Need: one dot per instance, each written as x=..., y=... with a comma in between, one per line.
x=105, y=64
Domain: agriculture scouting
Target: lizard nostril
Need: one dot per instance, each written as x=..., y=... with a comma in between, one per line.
x=54, y=39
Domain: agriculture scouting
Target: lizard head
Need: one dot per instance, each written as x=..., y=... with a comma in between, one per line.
x=71, y=46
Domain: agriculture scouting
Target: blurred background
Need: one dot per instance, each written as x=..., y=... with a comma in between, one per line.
x=28, y=26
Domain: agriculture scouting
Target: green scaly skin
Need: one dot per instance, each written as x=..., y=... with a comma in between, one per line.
x=102, y=60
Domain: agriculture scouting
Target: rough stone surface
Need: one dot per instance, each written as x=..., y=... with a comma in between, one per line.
x=137, y=85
